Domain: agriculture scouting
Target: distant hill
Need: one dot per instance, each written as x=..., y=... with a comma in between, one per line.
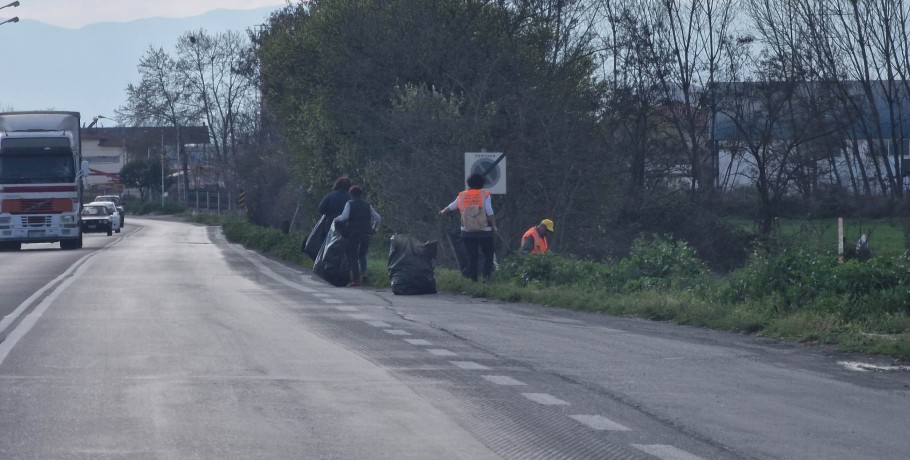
x=87, y=70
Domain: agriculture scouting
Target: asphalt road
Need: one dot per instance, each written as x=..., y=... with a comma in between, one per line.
x=167, y=342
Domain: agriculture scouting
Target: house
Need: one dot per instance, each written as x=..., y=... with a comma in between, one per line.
x=811, y=134
x=107, y=150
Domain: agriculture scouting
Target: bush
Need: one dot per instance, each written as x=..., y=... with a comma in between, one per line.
x=152, y=207
x=795, y=276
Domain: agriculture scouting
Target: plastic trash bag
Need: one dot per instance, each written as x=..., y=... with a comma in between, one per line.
x=317, y=235
x=332, y=260
x=411, y=268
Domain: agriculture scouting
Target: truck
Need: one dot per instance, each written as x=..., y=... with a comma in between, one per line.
x=41, y=179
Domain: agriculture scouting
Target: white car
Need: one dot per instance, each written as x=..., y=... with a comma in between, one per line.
x=117, y=202
x=116, y=218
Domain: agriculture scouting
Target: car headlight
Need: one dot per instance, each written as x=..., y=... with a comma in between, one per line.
x=69, y=219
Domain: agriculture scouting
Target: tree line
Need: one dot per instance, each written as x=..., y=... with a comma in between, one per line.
x=618, y=117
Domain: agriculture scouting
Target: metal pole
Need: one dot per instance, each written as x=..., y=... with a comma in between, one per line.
x=162, y=169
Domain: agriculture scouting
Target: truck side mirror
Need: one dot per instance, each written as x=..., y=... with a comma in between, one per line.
x=84, y=169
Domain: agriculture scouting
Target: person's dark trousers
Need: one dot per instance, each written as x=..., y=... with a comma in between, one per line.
x=475, y=245
x=357, y=251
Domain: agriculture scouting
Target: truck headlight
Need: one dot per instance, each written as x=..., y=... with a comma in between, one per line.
x=69, y=219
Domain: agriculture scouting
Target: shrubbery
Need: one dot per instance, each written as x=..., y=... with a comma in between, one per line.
x=797, y=279
x=653, y=263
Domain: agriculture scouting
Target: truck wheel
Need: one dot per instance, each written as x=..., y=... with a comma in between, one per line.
x=70, y=244
x=118, y=230
x=10, y=246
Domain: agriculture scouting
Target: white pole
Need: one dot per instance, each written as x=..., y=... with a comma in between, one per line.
x=840, y=240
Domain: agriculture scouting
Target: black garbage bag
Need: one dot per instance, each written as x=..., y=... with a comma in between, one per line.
x=332, y=260
x=411, y=265
x=314, y=240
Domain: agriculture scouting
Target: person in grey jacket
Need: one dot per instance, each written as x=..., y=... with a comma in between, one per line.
x=361, y=221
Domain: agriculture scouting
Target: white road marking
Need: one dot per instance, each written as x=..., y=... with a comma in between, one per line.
x=868, y=367
x=360, y=316
x=321, y=294
x=378, y=323
x=418, y=342
x=29, y=321
x=347, y=308
x=503, y=380
x=441, y=352
x=332, y=301
x=396, y=332
x=599, y=423
x=545, y=399
x=470, y=365
x=665, y=452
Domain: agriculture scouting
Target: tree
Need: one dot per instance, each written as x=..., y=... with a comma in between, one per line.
x=377, y=89
x=144, y=174
x=220, y=75
x=161, y=98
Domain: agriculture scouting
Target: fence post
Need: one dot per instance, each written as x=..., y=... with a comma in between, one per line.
x=840, y=240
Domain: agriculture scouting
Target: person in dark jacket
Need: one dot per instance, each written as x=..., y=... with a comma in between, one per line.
x=333, y=203
x=361, y=221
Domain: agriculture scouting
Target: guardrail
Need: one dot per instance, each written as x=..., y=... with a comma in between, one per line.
x=210, y=202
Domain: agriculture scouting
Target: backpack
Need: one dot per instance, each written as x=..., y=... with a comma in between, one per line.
x=474, y=217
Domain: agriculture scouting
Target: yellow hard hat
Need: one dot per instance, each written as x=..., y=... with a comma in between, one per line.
x=547, y=223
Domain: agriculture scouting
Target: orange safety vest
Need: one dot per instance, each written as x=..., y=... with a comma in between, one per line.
x=472, y=197
x=540, y=243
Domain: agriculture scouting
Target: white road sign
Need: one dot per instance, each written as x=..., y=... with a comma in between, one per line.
x=480, y=162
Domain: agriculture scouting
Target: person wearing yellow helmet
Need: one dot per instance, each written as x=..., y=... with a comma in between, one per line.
x=534, y=240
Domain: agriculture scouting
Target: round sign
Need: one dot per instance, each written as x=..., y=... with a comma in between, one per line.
x=490, y=164
x=484, y=166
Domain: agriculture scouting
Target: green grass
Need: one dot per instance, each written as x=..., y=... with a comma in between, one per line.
x=886, y=236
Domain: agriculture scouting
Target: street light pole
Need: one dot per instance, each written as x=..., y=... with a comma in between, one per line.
x=162, y=168
x=13, y=19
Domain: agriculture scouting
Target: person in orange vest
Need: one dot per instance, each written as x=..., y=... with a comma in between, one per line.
x=478, y=225
x=534, y=240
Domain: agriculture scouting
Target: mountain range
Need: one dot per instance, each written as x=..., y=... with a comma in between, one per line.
x=44, y=67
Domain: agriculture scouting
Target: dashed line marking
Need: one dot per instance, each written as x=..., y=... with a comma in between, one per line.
x=869, y=367
x=470, y=365
x=331, y=300
x=396, y=332
x=545, y=399
x=503, y=380
x=347, y=308
x=441, y=352
x=665, y=452
x=598, y=422
x=321, y=294
x=361, y=316
x=378, y=323
x=418, y=342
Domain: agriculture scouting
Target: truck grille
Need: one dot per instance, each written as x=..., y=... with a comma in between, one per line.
x=36, y=221
x=37, y=205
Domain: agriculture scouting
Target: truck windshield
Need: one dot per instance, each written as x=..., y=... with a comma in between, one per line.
x=36, y=160
x=31, y=169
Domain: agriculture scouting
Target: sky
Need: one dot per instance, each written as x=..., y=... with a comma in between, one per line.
x=80, y=55
x=75, y=14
